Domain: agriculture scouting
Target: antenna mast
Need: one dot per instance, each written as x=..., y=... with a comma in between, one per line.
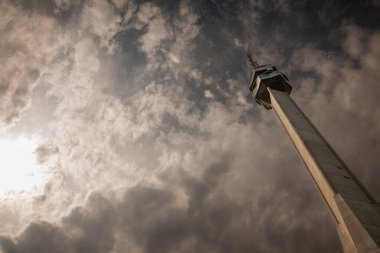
x=252, y=61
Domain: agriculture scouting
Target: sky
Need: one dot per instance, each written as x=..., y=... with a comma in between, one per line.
x=127, y=125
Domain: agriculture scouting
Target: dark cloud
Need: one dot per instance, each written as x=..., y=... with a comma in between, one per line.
x=37, y=237
x=210, y=221
x=88, y=229
x=44, y=152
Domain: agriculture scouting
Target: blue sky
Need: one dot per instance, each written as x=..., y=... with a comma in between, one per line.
x=133, y=125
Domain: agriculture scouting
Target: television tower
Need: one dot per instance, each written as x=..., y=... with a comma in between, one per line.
x=356, y=212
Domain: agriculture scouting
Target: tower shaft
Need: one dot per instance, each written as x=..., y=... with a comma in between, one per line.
x=356, y=212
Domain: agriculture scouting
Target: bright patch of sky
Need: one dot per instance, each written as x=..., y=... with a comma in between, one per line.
x=21, y=175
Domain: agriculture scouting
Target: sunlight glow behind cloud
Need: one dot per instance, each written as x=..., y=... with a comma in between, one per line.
x=21, y=175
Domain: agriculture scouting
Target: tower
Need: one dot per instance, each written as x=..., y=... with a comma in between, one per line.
x=356, y=212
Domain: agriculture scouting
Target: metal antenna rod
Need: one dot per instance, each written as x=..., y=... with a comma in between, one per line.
x=252, y=61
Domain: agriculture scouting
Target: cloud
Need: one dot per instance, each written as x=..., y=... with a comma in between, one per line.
x=101, y=20
x=376, y=3
x=348, y=91
x=44, y=152
x=63, y=5
x=208, y=94
x=83, y=230
x=142, y=161
x=23, y=57
x=150, y=15
x=38, y=237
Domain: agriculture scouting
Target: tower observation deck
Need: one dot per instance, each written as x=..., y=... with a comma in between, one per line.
x=356, y=212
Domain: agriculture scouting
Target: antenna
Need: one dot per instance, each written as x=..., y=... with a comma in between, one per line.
x=252, y=61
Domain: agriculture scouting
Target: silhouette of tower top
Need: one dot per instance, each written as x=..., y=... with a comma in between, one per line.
x=356, y=212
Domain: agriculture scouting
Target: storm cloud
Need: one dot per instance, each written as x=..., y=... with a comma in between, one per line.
x=149, y=137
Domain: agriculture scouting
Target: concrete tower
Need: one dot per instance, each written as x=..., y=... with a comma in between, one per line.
x=356, y=212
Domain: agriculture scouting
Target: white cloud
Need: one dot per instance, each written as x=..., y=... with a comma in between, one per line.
x=187, y=21
x=354, y=88
x=186, y=29
x=150, y=15
x=101, y=20
x=174, y=58
x=30, y=41
x=35, y=50
x=208, y=94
